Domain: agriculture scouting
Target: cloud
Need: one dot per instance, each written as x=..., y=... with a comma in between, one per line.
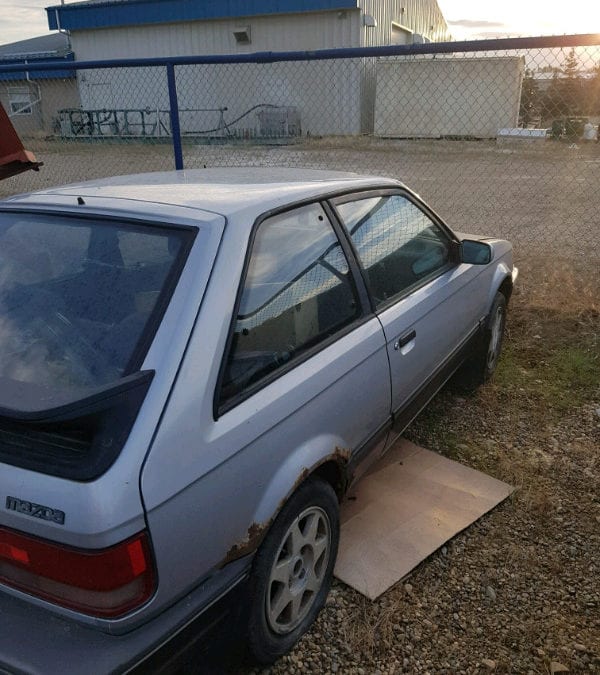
x=22, y=20
x=494, y=35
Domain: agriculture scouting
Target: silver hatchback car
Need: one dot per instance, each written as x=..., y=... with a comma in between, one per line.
x=194, y=367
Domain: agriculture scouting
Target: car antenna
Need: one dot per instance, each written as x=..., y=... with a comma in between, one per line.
x=80, y=201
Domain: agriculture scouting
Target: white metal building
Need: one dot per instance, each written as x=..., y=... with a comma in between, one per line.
x=103, y=29
x=32, y=98
x=144, y=28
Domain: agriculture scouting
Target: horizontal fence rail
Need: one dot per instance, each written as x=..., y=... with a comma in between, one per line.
x=431, y=48
x=499, y=136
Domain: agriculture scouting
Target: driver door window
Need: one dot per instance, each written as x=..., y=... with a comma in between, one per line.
x=399, y=246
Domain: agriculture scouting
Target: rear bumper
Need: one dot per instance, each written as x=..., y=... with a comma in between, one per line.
x=34, y=641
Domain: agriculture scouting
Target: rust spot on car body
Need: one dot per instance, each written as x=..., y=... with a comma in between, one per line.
x=254, y=536
x=256, y=532
x=342, y=456
x=342, y=453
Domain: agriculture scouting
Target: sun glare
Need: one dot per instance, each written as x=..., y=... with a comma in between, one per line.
x=474, y=19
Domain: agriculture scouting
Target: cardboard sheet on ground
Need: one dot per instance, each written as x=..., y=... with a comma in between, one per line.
x=407, y=506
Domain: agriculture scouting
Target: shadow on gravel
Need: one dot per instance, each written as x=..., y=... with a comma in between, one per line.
x=220, y=654
x=220, y=651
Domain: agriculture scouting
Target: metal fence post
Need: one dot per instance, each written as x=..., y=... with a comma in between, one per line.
x=174, y=115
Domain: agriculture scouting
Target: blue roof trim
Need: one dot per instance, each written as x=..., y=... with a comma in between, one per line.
x=37, y=74
x=107, y=14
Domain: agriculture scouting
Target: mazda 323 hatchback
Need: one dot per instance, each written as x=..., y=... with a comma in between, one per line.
x=194, y=367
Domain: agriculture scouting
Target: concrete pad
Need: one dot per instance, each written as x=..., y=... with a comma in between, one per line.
x=408, y=505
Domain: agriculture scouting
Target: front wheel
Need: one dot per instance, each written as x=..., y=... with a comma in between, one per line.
x=480, y=366
x=494, y=336
x=292, y=570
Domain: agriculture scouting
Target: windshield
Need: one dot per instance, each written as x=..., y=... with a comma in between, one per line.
x=76, y=296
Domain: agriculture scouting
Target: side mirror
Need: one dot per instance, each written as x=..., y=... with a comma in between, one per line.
x=475, y=252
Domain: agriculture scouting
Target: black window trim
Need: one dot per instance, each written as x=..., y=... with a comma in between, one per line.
x=156, y=316
x=414, y=199
x=353, y=262
x=356, y=279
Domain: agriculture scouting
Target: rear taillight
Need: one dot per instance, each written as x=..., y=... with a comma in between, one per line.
x=104, y=583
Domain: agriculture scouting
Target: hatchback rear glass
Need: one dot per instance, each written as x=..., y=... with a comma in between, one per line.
x=78, y=297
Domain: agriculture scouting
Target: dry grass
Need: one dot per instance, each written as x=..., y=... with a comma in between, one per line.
x=371, y=629
x=555, y=283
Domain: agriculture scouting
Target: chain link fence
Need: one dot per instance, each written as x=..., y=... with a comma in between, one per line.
x=500, y=137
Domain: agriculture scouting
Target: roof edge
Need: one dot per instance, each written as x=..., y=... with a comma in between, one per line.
x=96, y=14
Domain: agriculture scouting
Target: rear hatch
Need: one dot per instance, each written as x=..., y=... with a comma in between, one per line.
x=80, y=299
x=93, y=310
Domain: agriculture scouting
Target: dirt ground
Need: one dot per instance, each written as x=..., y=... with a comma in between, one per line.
x=545, y=198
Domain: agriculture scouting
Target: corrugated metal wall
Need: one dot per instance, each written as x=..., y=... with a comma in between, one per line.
x=423, y=17
x=237, y=87
x=310, y=87
x=285, y=32
x=109, y=13
x=299, y=85
x=292, y=32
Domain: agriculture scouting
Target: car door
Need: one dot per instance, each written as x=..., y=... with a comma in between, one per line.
x=300, y=294
x=422, y=298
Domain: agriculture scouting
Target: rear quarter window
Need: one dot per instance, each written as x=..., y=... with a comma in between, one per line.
x=297, y=293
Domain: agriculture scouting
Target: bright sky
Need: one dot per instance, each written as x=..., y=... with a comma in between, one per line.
x=20, y=19
x=473, y=19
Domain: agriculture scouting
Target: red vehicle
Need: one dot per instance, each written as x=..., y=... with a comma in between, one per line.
x=13, y=157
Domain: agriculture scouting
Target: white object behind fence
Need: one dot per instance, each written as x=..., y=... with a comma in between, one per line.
x=433, y=98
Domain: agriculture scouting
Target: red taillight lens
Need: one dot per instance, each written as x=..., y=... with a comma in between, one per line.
x=104, y=583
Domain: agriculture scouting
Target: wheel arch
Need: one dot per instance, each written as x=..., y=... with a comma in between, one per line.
x=506, y=288
x=502, y=282
x=335, y=472
x=271, y=632
x=306, y=462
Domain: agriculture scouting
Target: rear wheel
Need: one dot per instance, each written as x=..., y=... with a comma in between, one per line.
x=292, y=570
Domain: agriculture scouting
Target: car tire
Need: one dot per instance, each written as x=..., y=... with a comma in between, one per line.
x=481, y=365
x=292, y=571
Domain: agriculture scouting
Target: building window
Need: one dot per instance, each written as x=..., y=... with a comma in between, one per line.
x=20, y=101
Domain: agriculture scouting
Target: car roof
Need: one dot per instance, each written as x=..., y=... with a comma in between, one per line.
x=226, y=191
